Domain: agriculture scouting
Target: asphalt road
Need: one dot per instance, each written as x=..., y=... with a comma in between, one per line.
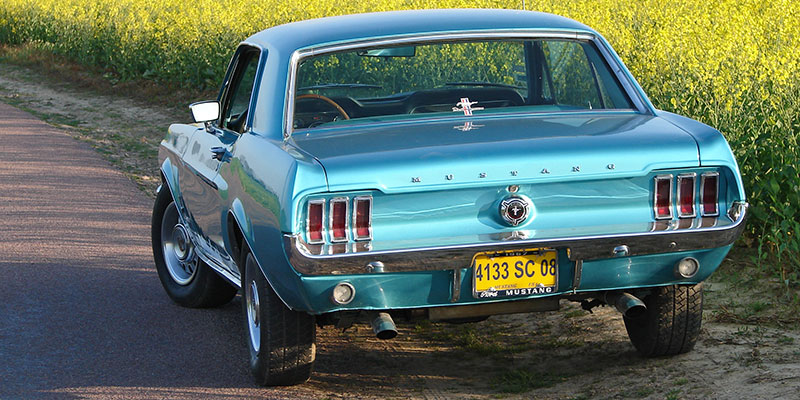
x=82, y=313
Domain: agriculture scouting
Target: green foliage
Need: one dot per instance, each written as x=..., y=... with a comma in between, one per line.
x=431, y=66
x=733, y=64
x=523, y=380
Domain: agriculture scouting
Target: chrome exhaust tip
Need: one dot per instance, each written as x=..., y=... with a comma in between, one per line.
x=629, y=305
x=383, y=326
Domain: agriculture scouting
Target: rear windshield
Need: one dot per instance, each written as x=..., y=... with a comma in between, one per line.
x=454, y=79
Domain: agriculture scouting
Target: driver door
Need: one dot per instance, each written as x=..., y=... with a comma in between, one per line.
x=212, y=147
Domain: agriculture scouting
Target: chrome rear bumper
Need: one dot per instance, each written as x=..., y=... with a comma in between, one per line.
x=664, y=237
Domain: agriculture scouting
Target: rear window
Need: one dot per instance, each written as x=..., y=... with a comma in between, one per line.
x=454, y=79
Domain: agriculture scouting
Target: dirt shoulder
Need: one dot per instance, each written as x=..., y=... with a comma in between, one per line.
x=569, y=354
x=124, y=131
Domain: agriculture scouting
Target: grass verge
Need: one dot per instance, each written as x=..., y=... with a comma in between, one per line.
x=59, y=68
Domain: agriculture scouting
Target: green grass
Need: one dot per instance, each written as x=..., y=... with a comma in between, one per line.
x=744, y=292
x=521, y=380
x=475, y=339
x=643, y=391
x=787, y=340
x=673, y=394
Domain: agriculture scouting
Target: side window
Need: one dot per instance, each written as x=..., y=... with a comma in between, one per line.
x=237, y=97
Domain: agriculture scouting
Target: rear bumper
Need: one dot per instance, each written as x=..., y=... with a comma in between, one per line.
x=663, y=237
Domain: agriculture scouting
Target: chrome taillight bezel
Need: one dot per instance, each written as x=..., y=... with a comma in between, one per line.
x=331, y=230
x=656, y=180
x=679, y=197
x=354, y=224
x=703, y=182
x=323, y=231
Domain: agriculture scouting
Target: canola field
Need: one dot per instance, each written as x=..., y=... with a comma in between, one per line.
x=734, y=64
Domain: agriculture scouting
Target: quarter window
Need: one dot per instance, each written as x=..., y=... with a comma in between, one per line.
x=574, y=72
x=239, y=93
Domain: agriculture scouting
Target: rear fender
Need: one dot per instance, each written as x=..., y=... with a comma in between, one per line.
x=270, y=257
x=712, y=149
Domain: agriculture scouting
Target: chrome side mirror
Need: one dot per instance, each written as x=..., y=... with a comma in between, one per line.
x=206, y=112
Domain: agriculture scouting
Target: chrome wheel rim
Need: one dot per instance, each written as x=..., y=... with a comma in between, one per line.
x=179, y=254
x=253, y=310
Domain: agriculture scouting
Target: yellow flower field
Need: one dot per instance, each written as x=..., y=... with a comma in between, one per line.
x=732, y=64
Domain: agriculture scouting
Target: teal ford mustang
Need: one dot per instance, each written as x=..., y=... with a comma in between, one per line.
x=448, y=165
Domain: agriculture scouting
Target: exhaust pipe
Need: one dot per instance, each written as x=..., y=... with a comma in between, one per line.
x=629, y=305
x=383, y=326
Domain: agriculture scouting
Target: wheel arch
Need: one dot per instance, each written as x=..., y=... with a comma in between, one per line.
x=169, y=177
x=235, y=233
x=239, y=233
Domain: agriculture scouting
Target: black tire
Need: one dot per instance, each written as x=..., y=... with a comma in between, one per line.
x=672, y=321
x=282, y=342
x=202, y=287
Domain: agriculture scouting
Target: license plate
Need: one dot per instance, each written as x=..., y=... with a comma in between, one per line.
x=514, y=273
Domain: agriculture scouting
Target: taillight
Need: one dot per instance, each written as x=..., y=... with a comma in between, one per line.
x=709, y=194
x=334, y=221
x=316, y=214
x=338, y=221
x=686, y=185
x=662, y=198
x=362, y=218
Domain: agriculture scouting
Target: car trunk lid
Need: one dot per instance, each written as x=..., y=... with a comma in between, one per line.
x=451, y=153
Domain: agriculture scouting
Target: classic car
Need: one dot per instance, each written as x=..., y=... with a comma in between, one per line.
x=447, y=165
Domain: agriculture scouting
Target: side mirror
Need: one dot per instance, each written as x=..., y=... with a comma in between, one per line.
x=205, y=111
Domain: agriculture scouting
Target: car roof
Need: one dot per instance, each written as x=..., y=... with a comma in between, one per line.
x=302, y=34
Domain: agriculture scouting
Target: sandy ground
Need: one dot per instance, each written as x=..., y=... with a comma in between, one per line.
x=569, y=354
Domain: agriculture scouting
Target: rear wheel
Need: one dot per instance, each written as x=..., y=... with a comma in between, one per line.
x=281, y=341
x=187, y=280
x=672, y=321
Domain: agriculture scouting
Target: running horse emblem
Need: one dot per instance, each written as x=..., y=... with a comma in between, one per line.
x=466, y=106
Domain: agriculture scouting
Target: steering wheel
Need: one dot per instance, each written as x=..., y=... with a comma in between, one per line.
x=320, y=97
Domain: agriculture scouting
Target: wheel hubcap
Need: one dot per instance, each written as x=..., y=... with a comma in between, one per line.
x=253, y=312
x=181, y=242
x=179, y=254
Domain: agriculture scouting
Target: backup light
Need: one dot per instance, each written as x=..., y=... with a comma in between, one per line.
x=687, y=268
x=343, y=293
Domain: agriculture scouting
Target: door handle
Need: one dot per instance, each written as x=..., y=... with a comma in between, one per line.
x=220, y=153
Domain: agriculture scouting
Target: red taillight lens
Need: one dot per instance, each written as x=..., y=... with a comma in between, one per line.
x=316, y=209
x=662, y=202
x=686, y=195
x=709, y=189
x=338, y=220
x=362, y=220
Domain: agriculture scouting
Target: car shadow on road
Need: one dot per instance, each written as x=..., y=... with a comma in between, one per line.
x=418, y=364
